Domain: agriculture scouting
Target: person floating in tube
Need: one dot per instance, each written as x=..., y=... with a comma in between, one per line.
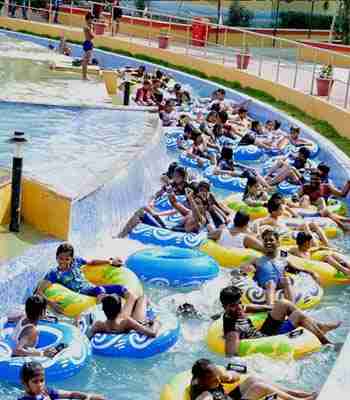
x=87, y=45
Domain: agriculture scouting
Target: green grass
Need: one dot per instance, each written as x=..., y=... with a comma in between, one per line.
x=321, y=126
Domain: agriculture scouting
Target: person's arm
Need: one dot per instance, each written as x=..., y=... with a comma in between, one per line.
x=195, y=211
x=214, y=234
x=130, y=300
x=251, y=242
x=63, y=394
x=248, y=266
x=301, y=269
x=178, y=206
x=116, y=262
x=26, y=345
x=150, y=331
x=227, y=376
x=232, y=342
x=253, y=308
x=97, y=327
x=335, y=191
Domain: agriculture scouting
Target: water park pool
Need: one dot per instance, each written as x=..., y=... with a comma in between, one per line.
x=136, y=379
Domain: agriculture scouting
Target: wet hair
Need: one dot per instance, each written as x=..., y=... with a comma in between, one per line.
x=302, y=238
x=315, y=173
x=31, y=370
x=169, y=103
x=35, y=307
x=215, y=107
x=277, y=124
x=201, y=368
x=276, y=197
x=241, y=219
x=191, y=129
x=177, y=86
x=212, y=114
x=187, y=310
x=230, y=295
x=242, y=110
x=273, y=205
x=223, y=116
x=111, y=306
x=181, y=171
x=255, y=125
x=88, y=16
x=268, y=122
x=171, y=169
x=227, y=153
x=159, y=74
x=324, y=168
x=222, y=91
x=65, y=248
x=142, y=68
x=251, y=181
x=270, y=232
x=203, y=185
x=294, y=129
x=146, y=82
x=305, y=152
x=217, y=130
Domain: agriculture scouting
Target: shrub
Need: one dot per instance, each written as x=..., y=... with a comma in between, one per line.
x=301, y=20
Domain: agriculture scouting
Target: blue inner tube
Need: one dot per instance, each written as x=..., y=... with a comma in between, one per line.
x=172, y=266
x=135, y=345
x=248, y=153
x=65, y=364
x=163, y=204
x=191, y=162
x=227, y=182
x=164, y=237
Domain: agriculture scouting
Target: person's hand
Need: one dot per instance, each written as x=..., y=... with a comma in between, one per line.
x=246, y=269
x=188, y=192
x=116, y=262
x=172, y=198
x=56, y=307
x=316, y=277
x=285, y=281
x=50, y=352
x=95, y=397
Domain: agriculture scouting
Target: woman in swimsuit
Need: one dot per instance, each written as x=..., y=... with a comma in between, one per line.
x=87, y=45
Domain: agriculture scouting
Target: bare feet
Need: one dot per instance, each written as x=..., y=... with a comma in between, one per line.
x=130, y=225
x=330, y=326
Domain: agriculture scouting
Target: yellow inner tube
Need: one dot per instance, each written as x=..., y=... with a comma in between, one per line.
x=73, y=304
x=234, y=257
x=279, y=346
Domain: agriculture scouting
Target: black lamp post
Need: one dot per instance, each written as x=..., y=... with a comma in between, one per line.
x=19, y=140
x=276, y=22
x=310, y=18
x=219, y=21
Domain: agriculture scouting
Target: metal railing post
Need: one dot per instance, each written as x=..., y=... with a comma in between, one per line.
x=261, y=58
x=225, y=45
x=29, y=10
x=150, y=30
x=278, y=62
x=346, y=100
x=313, y=73
x=187, y=39
x=296, y=68
x=50, y=12
x=71, y=14
x=331, y=62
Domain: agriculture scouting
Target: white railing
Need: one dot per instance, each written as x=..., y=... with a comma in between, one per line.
x=290, y=63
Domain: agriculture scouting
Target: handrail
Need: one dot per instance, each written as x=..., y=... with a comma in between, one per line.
x=280, y=60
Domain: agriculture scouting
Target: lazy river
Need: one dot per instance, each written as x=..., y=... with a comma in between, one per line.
x=91, y=129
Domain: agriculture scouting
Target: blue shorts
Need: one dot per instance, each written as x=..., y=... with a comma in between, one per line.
x=286, y=327
x=105, y=289
x=264, y=279
x=88, y=45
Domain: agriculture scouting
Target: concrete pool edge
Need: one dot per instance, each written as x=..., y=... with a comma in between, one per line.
x=345, y=162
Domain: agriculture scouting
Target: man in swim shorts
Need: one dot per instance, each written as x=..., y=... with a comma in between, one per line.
x=87, y=45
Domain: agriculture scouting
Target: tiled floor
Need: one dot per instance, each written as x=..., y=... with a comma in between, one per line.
x=14, y=244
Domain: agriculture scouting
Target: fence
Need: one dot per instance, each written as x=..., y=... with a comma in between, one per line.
x=277, y=59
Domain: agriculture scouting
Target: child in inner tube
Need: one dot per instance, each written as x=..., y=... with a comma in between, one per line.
x=69, y=274
x=33, y=380
x=270, y=269
x=207, y=384
x=118, y=322
x=26, y=334
x=284, y=317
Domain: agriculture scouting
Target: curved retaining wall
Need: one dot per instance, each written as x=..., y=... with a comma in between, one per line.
x=103, y=210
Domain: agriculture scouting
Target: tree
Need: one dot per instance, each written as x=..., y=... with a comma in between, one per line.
x=238, y=15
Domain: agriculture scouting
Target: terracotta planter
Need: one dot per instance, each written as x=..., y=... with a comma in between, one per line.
x=324, y=86
x=163, y=41
x=242, y=61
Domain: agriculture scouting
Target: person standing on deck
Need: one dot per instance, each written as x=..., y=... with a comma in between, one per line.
x=87, y=45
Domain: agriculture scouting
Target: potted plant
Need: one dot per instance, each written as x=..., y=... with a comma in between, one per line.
x=325, y=80
x=243, y=58
x=163, y=39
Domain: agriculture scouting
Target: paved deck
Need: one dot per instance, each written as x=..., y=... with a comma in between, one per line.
x=15, y=244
